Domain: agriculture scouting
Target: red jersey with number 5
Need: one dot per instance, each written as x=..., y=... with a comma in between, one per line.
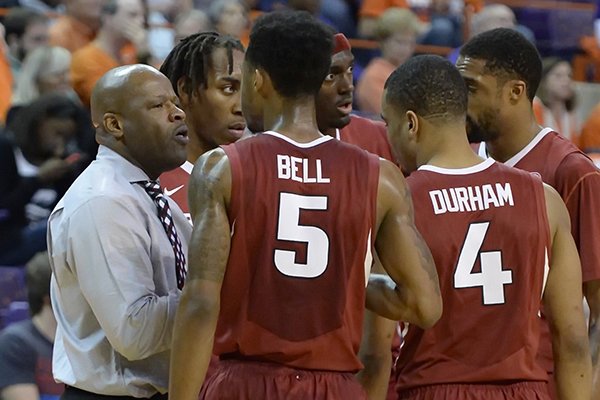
x=488, y=231
x=302, y=216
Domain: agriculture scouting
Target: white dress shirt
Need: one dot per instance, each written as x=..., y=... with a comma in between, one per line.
x=113, y=287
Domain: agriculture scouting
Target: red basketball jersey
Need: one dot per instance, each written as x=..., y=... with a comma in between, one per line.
x=175, y=185
x=302, y=216
x=488, y=232
x=368, y=135
x=575, y=177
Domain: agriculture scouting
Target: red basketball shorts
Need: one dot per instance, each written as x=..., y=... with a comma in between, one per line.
x=248, y=380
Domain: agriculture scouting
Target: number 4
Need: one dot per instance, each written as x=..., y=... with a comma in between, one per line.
x=492, y=277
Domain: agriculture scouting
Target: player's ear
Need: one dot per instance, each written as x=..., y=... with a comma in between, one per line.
x=412, y=122
x=518, y=90
x=261, y=81
x=182, y=93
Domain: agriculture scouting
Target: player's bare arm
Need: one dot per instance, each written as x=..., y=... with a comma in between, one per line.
x=591, y=290
x=413, y=293
x=196, y=319
x=563, y=306
x=374, y=353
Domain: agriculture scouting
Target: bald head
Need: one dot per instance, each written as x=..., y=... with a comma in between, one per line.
x=136, y=113
x=113, y=91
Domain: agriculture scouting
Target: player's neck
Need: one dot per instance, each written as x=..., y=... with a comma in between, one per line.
x=294, y=118
x=454, y=152
x=517, y=134
x=196, y=148
x=329, y=131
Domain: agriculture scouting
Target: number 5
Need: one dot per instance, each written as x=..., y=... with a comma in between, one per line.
x=492, y=277
x=289, y=228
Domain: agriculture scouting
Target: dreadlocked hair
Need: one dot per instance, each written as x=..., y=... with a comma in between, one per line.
x=190, y=59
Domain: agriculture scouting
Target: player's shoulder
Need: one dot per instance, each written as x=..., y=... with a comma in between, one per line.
x=577, y=163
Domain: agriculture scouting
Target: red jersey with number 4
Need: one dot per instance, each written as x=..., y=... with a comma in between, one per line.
x=488, y=232
x=302, y=215
x=575, y=177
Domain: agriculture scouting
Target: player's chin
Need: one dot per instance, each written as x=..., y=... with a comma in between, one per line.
x=342, y=121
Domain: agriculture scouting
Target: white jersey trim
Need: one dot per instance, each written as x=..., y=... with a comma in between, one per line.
x=485, y=164
x=313, y=143
x=187, y=167
x=511, y=162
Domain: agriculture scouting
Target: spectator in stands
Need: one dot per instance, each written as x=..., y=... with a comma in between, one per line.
x=78, y=26
x=25, y=31
x=554, y=104
x=6, y=79
x=44, y=70
x=342, y=14
x=43, y=6
x=189, y=23
x=589, y=140
x=396, y=31
x=38, y=160
x=47, y=70
x=490, y=17
x=230, y=17
x=122, y=23
x=26, y=346
x=371, y=10
x=313, y=7
x=445, y=24
x=160, y=33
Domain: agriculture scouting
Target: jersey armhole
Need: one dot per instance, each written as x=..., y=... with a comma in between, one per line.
x=373, y=185
x=237, y=182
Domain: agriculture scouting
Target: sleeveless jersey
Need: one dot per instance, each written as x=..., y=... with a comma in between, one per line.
x=302, y=216
x=175, y=185
x=488, y=231
x=368, y=135
x=574, y=176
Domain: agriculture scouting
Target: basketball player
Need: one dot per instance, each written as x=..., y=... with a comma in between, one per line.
x=492, y=230
x=334, y=105
x=282, y=240
x=502, y=70
x=205, y=71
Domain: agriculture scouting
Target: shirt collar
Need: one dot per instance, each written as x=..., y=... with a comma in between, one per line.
x=126, y=169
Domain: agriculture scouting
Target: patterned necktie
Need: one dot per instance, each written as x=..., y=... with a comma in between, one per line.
x=164, y=214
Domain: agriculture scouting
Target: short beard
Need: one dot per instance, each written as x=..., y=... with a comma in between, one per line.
x=340, y=123
x=477, y=133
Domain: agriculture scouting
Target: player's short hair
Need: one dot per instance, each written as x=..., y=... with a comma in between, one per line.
x=428, y=85
x=294, y=49
x=190, y=59
x=37, y=278
x=507, y=55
